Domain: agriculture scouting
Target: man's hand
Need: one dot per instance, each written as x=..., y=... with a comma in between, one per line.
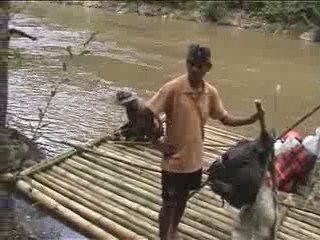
x=164, y=147
x=259, y=114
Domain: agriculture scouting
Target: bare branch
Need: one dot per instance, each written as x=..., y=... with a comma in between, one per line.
x=84, y=52
x=64, y=66
x=90, y=38
x=23, y=118
x=13, y=31
x=316, y=12
x=309, y=22
x=45, y=125
x=43, y=112
x=69, y=50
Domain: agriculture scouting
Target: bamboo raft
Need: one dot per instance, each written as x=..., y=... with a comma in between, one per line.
x=103, y=194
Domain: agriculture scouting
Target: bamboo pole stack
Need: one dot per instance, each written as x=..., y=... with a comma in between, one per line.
x=105, y=194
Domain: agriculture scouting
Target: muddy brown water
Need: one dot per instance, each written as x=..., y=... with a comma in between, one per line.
x=141, y=53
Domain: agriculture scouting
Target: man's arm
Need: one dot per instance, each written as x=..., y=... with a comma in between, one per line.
x=217, y=111
x=158, y=104
x=234, y=121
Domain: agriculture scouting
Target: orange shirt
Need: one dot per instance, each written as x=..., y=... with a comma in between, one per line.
x=182, y=106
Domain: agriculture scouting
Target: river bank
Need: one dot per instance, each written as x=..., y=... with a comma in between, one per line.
x=239, y=16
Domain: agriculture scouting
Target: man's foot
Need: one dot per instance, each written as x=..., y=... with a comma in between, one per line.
x=175, y=236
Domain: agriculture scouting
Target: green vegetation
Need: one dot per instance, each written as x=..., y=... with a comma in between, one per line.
x=290, y=14
x=304, y=14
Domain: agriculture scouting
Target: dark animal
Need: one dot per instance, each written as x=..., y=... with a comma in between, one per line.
x=142, y=125
x=239, y=174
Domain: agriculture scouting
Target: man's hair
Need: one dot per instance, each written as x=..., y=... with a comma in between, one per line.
x=198, y=54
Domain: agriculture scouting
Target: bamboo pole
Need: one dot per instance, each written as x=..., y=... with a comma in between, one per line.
x=105, y=190
x=100, y=197
x=207, y=143
x=115, y=156
x=128, y=153
x=147, y=192
x=141, y=226
x=103, y=200
x=304, y=228
x=152, y=177
x=150, y=174
x=286, y=233
x=194, y=203
x=302, y=218
x=64, y=212
x=221, y=130
x=309, y=215
x=293, y=201
x=219, y=140
x=211, y=152
x=94, y=217
x=208, y=156
x=49, y=162
x=133, y=151
x=7, y=178
x=154, y=191
x=141, y=200
x=140, y=152
x=106, y=196
x=121, y=181
x=225, y=135
x=129, y=199
x=113, y=169
x=296, y=231
x=208, y=197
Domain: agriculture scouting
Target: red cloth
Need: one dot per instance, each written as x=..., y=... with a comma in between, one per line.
x=292, y=166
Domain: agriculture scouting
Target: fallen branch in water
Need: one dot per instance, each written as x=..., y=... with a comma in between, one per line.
x=20, y=33
x=90, y=38
x=23, y=118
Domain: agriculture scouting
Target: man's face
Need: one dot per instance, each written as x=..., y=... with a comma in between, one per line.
x=198, y=71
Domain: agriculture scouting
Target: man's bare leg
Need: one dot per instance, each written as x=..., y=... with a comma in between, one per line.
x=178, y=213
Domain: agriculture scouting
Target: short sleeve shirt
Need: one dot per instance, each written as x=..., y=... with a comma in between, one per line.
x=186, y=110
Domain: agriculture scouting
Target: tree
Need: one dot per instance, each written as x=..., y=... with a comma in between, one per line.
x=4, y=44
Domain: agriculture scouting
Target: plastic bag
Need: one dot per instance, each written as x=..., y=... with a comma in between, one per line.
x=312, y=143
x=281, y=147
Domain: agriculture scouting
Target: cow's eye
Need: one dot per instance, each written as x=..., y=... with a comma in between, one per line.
x=225, y=157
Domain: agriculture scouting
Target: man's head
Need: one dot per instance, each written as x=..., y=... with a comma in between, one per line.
x=198, y=61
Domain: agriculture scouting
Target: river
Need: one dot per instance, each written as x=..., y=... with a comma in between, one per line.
x=142, y=53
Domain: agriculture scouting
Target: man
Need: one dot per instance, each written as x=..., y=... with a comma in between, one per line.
x=188, y=102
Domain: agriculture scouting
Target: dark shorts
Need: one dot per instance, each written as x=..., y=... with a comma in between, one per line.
x=175, y=183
